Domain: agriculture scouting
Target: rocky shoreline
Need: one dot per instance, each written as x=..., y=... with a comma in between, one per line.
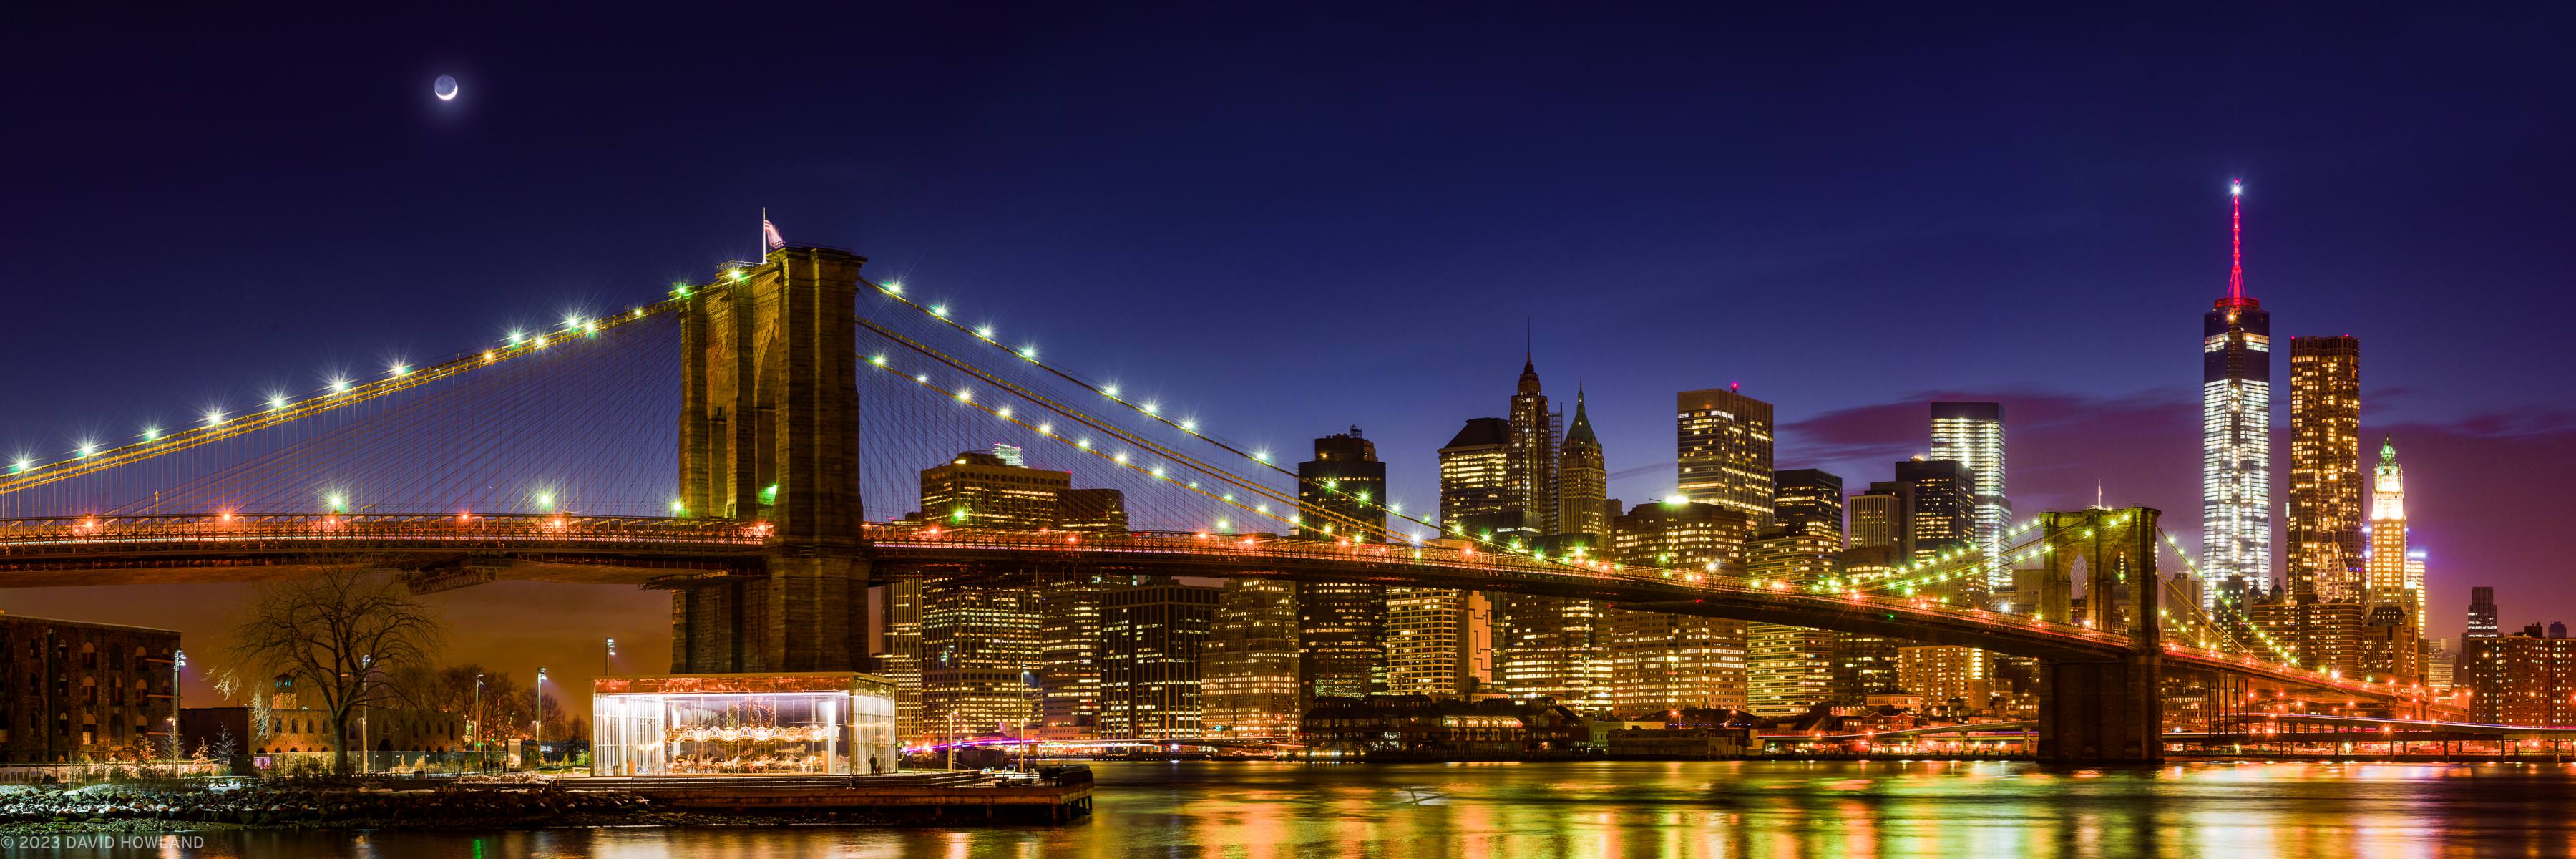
x=131, y=808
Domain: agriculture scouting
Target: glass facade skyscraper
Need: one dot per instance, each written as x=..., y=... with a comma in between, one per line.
x=2325, y=546
x=2236, y=433
x=1972, y=434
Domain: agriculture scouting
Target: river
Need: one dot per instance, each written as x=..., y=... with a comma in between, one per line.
x=1719, y=809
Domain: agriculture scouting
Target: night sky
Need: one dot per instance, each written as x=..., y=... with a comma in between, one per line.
x=1291, y=220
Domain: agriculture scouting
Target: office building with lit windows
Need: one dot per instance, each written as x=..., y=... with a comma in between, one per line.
x=2326, y=484
x=2236, y=432
x=1790, y=668
x=1972, y=434
x=1944, y=499
x=980, y=490
x=1724, y=440
x=1549, y=647
x=1883, y=517
x=1151, y=638
x=1340, y=625
x=1248, y=670
x=1664, y=661
x=1439, y=642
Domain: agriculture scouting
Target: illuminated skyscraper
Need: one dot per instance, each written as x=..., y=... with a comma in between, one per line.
x=1944, y=496
x=1340, y=625
x=2395, y=601
x=1808, y=501
x=979, y=490
x=2236, y=431
x=2482, y=614
x=1532, y=464
x=979, y=658
x=1248, y=671
x=1151, y=635
x=1069, y=653
x=1883, y=517
x=1790, y=668
x=2325, y=468
x=1476, y=497
x=1550, y=646
x=1582, y=481
x=1439, y=642
x=1972, y=434
x=1664, y=661
x=1724, y=444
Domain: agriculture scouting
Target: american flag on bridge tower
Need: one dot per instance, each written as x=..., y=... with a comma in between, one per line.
x=769, y=232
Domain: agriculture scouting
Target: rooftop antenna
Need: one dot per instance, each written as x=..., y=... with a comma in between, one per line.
x=2236, y=241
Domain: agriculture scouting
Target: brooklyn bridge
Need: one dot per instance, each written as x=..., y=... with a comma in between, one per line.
x=729, y=441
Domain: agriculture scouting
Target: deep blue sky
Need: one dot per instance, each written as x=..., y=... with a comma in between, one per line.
x=1292, y=219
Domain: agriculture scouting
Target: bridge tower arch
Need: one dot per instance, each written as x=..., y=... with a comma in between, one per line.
x=769, y=432
x=2109, y=711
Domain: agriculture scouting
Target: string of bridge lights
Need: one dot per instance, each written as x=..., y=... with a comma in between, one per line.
x=218, y=423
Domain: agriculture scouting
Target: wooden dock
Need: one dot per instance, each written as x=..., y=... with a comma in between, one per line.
x=935, y=794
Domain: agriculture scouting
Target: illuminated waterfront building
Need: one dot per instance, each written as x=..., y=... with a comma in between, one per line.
x=2325, y=516
x=1789, y=668
x=1151, y=638
x=1724, y=444
x=1439, y=642
x=979, y=653
x=1663, y=661
x=1069, y=653
x=1972, y=434
x=1947, y=675
x=2236, y=432
x=1248, y=670
x=2525, y=679
x=899, y=660
x=1340, y=625
x=1865, y=665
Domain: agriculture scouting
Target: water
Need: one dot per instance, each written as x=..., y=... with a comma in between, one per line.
x=1716, y=809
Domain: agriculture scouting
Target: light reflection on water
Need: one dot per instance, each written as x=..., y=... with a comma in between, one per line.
x=1721, y=809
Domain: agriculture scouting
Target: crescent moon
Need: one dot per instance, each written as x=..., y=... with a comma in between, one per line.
x=445, y=88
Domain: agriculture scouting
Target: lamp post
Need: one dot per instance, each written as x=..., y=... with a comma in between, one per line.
x=608, y=664
x=540, y=731
x=474, y=728
x=366, y=666
x=178, y=660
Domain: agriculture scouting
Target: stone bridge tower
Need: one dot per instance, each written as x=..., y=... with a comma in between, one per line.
x=769, y=432
x=2109, y=711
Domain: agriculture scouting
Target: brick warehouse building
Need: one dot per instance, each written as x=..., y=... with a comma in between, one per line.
x=73, y=691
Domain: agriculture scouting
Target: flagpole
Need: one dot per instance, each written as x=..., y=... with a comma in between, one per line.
x=763, y=256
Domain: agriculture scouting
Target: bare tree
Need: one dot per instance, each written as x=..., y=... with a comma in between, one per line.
x=334, y=634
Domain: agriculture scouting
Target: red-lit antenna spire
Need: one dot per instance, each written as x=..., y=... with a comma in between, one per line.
x=2236, y=241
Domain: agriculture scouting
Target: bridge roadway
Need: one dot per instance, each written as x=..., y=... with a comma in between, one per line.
x=450, y=549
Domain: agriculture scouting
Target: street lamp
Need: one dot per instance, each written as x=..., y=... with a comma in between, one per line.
x=608, y=664
x=474, y=728
x=541, y=715
x=178, y=660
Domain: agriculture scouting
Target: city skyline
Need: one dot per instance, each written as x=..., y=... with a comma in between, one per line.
x=2135, y=232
